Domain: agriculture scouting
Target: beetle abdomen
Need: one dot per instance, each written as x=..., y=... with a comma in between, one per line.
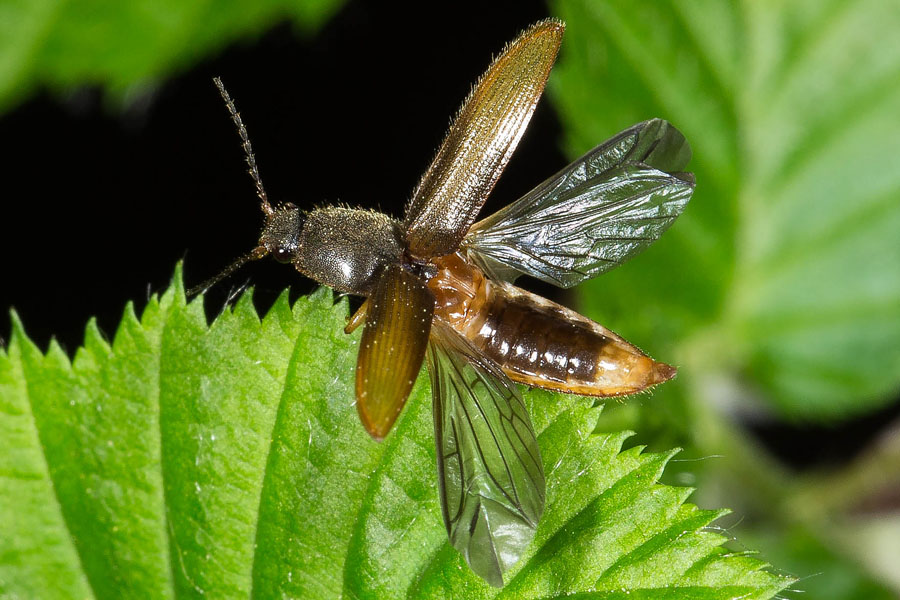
x=538, y=342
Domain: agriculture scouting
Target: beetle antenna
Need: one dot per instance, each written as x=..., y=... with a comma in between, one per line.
x=248, y=149
x=254, y=254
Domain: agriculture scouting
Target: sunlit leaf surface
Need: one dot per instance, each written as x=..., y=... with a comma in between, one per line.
x=186, y=460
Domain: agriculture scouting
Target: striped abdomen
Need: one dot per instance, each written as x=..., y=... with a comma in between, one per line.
x=538, y=342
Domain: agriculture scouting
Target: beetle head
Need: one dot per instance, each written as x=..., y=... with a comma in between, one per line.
x=280, y=236
x=339, y=247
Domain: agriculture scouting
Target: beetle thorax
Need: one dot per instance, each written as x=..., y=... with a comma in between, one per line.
x=346, y=248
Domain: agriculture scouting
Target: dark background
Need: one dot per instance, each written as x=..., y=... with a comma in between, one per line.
x=99, y=204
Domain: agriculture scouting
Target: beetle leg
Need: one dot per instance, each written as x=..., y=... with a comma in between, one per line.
x=358, y=318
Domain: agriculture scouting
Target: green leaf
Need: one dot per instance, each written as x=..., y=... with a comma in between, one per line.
x=186, y=460
x=127, y=45
x=783, y=275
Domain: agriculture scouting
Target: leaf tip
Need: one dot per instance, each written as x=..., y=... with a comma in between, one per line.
x=93, y=336
x=17, y=329
x=322, y=295
x=176, y=286
x=14, y=317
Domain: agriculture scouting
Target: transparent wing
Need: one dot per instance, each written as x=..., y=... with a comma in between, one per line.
x=480, y=142
x=489, y=466
x=594, y=214
x=398, y=322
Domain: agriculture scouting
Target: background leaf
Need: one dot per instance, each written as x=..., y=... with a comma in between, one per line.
x=782, y=276
x=778, y=292
x=227, y=460
x=120, y=45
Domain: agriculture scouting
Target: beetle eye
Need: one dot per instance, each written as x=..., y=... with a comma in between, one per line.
x=283, y=255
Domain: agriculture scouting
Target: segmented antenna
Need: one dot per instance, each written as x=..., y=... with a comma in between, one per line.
x=248, y=149
x=255, y=254
x=260, y=251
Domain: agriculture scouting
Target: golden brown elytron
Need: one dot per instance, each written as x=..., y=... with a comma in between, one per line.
x=439, y=285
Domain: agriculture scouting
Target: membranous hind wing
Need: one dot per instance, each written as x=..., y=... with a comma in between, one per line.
x=594, y=214
x=489, y=467
x=480, y=142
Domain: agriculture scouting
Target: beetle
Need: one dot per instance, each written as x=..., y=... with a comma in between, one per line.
x=438, y=289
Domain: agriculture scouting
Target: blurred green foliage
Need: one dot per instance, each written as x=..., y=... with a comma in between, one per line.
x=827, y=572
x=783, y=276
x=126, y=46
x=777, y=293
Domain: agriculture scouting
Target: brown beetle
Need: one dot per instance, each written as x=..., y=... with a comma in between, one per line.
x=437, y=285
